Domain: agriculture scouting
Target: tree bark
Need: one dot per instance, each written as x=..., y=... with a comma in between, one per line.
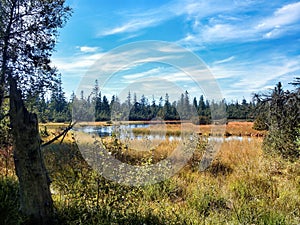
x=35, y=196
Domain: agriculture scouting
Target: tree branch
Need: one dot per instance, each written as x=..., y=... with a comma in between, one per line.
x=64, y=133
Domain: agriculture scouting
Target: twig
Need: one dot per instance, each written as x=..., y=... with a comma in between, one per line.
x=58, y=136
x=65, y=133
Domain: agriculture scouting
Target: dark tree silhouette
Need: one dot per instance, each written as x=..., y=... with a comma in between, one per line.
x=283, y=119
x=28, y=33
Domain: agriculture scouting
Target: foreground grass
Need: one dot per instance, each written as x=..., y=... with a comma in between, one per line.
x=242, y=186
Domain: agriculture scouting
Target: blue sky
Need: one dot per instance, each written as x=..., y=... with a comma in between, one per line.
x=247, y=45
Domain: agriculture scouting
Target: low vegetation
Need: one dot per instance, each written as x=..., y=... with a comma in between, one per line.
x=242, y=186
x=231, y=129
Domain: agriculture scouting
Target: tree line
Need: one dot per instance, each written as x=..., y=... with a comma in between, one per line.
x=98, y=107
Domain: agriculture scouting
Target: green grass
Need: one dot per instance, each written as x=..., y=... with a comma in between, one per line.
x=9, y=203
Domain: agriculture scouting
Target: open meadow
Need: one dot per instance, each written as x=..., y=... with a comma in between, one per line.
x=243, y=185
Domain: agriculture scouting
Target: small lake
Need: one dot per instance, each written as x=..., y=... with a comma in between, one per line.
x=125, y=131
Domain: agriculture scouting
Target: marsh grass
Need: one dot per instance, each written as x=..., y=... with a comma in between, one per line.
x=231, y=129
x=242, y=186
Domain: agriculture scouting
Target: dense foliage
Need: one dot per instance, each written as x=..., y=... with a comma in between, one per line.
x=281, y=116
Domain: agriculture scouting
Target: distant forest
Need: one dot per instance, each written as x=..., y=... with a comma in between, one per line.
x=199, y=110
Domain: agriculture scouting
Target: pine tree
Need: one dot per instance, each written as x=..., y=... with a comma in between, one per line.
x=283, y=121
x=58, y=104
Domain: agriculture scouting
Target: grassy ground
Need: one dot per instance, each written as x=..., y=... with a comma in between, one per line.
x=242, y=186
x=231, y=129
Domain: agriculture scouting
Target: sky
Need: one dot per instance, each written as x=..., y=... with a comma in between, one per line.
x=243, y=47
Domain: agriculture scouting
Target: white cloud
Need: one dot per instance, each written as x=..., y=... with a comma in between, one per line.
x=151, y=72
x=224, y=60
x=283, y=16
x=229, y=25
x=262, y=74
x=131, y=26
x=87, y=49
x=212, y=21
x=76, y=63
x=135, y=22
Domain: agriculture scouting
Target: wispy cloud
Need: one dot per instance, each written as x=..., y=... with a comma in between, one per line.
x=286, y=15
x=131, y=26
x=241, y=79
x=281, y=22
x=224, y=60
x=263, y=74
x=76, y=64
x=134, y=22
x=88, y=49
x=134, y=76
x=229, y=25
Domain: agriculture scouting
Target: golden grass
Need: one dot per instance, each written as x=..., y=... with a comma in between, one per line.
x=232, y=128
x=243, y=185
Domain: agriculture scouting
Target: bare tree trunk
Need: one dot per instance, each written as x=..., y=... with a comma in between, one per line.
x=35, y=197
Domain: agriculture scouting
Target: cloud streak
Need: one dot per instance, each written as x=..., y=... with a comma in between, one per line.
x=135, y=22
x=88, y=49
x=230, y=26
x=286, y=15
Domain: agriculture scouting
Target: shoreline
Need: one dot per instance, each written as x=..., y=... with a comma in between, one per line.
x=232, y=128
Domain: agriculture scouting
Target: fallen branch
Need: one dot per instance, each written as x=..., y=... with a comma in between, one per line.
x=64, y=133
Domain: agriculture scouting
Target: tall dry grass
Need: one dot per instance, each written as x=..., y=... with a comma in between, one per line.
x=230, y=129
x=243, y=185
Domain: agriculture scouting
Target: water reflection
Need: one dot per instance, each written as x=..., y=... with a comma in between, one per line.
x=106, y=131
x=126, y=132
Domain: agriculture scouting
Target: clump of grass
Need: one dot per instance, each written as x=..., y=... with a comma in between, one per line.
x=9, y=202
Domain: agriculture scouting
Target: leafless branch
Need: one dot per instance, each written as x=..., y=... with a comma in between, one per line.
x=64, y=133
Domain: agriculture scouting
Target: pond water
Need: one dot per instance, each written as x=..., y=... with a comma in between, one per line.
x=106, y=131
x=126, y=131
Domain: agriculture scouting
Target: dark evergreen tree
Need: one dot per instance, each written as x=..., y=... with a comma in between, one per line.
x=115, y=108
x=201, y=106
x=283, y=121
x=58, y=105
x=153, y=108
x=187, y=107
x=195, y=103
x=167, y=109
